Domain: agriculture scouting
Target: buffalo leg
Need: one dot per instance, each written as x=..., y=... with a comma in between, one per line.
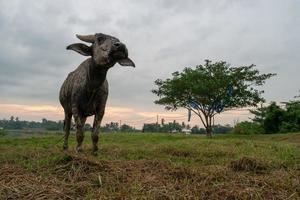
x=67, y=126
x=96, y=130
x=80, y=121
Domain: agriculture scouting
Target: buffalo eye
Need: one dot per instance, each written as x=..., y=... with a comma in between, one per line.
x=100, y=39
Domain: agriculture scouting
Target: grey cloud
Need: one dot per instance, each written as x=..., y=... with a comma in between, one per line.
x=162, y=36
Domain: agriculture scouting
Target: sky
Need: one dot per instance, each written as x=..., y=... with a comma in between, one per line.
x=162, y=36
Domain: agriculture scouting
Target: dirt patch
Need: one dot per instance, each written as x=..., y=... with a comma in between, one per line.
x=248, y=164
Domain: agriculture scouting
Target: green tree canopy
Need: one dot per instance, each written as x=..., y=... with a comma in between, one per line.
x=210, y=89
x=278, y=119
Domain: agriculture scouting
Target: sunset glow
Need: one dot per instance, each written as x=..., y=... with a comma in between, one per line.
x=126, y=115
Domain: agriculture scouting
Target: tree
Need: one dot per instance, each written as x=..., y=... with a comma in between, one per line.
x=87, y=127
x=126, y=128
x=151, y=127
x=197, y=130
x=274, y=119
x=259, y=114
x=165, y=128
x=248, y=128
x=210, y=89
x=291, y=117
x=111, y=127
x=220, y=129
x=291, y=121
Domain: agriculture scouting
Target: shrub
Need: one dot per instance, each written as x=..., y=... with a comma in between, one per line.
x=248, y=128
x=2, y=132
x=287, y=127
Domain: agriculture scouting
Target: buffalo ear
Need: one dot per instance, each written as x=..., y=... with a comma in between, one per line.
x=80, y=48
x=126, y=62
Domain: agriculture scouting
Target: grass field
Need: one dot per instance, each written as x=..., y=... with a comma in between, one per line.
x=151, y=166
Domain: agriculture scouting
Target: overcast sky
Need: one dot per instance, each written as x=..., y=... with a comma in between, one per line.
x=162, y=36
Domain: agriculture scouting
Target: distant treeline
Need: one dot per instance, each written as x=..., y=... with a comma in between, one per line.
x=17, y=124
x=14, y=123
x=177, y=127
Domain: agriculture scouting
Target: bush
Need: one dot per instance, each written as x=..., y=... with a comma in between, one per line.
x=2, y=132
x=197, y=130
x=248, y=128
x=286, y=127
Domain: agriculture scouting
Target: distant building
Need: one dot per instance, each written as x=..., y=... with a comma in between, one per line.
x=186, y=131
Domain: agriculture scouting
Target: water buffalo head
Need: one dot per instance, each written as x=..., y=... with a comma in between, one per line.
x=105, y=50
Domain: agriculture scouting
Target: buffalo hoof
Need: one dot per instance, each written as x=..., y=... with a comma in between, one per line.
x=79, y=150
x=65, y=147
x=95, y=150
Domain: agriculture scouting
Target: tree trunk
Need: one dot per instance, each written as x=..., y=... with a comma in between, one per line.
x=209, y=131
x=208, y=127
x=207, y=123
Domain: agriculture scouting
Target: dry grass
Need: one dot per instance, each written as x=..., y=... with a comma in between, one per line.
x=248, y=164
x=18, y=183
x=293, y=138
x=59, y=175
